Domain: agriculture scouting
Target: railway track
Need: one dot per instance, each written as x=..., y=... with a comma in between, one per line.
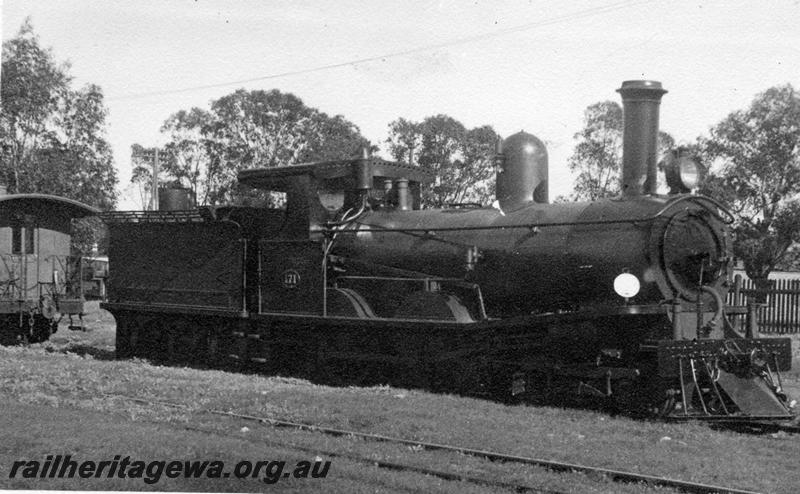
x=387, y=465
x=552, y=465
x=756, y=427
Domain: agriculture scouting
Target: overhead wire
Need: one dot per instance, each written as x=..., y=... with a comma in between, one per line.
x=445, y=44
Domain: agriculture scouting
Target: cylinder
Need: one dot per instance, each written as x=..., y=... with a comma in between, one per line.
x=640, y=101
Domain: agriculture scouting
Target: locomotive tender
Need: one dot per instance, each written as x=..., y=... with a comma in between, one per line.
x=352, y=282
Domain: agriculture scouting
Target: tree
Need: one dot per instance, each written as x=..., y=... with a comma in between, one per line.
x=597, y=159
x=270, y=128
x=247, y=129
x=53, y=137
x=183, y=161
x=142, y=171
x=32, y=86
x=598, y=154
x=333, y=138
x=404, y=140
x=791, y=261
x=442, y=137
x=756, y=152
x=185, y=155
x=459, y=158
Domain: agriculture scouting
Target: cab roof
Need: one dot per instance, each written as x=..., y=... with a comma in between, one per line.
x=275, y=178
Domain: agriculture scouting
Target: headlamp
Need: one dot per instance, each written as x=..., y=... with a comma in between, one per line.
x=626, y=285
x=682, y=173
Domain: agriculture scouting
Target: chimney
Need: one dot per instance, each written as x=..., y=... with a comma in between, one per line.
x=640, y=102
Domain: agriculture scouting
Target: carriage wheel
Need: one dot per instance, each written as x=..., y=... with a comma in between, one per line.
x=40, y=328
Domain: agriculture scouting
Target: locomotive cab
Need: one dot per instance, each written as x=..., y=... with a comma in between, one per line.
x=317, y=192
x=320, y=198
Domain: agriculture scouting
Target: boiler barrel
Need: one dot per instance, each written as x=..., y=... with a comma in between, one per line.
x=548, y=257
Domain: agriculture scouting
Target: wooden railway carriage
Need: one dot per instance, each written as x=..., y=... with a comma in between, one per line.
x=39, y=279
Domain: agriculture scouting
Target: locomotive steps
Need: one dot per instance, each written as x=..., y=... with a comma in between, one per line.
x=52, y=383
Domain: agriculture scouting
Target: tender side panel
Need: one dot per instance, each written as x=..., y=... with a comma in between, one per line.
x=177, y=264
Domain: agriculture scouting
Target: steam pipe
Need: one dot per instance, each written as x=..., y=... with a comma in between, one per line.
x=640, y=101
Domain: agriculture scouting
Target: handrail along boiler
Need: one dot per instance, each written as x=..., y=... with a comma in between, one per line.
x=621, y=299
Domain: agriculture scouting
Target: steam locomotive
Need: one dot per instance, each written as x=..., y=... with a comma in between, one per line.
x=620, y=300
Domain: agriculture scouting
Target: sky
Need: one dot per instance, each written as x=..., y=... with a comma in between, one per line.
x=515, y=65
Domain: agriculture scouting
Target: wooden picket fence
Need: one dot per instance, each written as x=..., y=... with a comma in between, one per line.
x=781, y=314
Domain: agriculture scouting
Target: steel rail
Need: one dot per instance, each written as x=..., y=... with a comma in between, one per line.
x=388, y=465
x=755, y=426
x=558, y=466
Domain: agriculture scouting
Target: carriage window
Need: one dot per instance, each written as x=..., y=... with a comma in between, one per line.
x=16, y=239
x=17, y=232
x=30, y=239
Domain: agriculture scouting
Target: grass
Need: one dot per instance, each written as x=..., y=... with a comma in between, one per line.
x=51, y=380
x=87, y=435
x=70, y=376
x=66, y=390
